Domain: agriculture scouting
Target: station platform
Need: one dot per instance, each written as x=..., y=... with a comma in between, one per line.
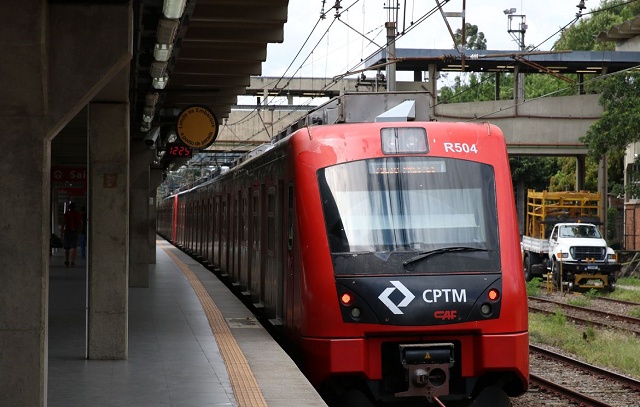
x=191, y=343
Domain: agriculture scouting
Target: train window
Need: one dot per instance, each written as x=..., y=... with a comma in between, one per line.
x=390, y=214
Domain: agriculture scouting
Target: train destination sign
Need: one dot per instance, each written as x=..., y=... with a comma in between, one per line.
x=197, y=127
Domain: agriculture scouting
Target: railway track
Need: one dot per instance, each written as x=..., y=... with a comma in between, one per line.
x=587, y=316
x=627, y=304
x=581, y=382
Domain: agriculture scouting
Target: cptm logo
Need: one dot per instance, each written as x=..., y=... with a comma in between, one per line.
x=408, y=297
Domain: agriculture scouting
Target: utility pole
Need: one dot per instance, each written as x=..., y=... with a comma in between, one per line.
x=518, y=89
x=391, y=53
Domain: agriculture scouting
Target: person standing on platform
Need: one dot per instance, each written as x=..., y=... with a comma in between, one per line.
x=71, y=228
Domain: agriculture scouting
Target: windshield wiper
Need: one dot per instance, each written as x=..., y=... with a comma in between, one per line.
x=424, y=255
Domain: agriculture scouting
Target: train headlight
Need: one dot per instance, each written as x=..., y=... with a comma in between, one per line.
x=493, y=294
x=346, y=299
x=403, y=140
x=355, y=313
x=486, y=309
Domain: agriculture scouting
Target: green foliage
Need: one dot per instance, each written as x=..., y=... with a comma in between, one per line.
x=474, y=38
x=606, y=348
x=582, y=35
x=632, y=281
x=634, y=312
x=534, y=172
x=533, y=287
x=589, y=334
x=592, y=294
x=559, y=318
x=579, y=301
x=619, y=124
x=618, y=127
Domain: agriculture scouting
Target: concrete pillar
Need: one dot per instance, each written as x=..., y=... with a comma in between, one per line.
x=155, y=179
x=433, y=88
x=109, y=232
x=24, y=261
x=141, y=156
x=24, y=206
x=391, y=54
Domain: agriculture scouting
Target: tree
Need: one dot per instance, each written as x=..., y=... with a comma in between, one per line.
x=582, y=36
x=619, y=124
x=474, y=39
x=534, y=172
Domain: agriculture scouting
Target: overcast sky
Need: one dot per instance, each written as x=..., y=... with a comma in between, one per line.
x=343, y=47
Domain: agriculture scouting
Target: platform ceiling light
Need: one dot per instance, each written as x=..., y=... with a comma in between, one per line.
x=147, y=114
x=173, y=8
x=162, y=52
x=160, y=83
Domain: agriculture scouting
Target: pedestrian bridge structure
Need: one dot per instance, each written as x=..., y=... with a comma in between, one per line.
x=549, y=126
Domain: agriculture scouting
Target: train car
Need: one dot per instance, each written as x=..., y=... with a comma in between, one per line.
x=386, y=253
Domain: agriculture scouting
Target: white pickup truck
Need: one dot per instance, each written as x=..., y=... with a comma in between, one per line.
x=576, y=254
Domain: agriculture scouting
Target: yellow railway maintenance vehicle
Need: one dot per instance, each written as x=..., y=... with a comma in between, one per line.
x=562, y=238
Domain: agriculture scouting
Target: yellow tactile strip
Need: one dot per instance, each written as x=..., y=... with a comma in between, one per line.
x=245, y=387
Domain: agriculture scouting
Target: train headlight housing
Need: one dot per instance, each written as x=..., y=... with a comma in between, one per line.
x=347, y=300
x=493, y=294
x=486, y=309
x=404, y=140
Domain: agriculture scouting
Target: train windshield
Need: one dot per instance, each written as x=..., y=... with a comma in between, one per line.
x=411, y=214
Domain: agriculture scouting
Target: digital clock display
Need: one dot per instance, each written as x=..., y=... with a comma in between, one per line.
x=178, y=150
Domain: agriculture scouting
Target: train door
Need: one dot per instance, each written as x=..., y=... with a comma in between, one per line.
x=192, y=221
x=188, y=213
x=236, y=235
x=210, y=223
x=274, y=254
x=289, y=258
x=202, y=226
x=197, y=238
x=256, y=261
x=174, y=220
x=205, y=230
x=233, y=212
x=224, y=234
x=216, y=231
x=243, y=261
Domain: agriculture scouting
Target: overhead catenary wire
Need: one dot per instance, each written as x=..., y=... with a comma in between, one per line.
x=352, y=71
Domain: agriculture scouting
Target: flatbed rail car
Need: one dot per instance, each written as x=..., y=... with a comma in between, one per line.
x=386, y=253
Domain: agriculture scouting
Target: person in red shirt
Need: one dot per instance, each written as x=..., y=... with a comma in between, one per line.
x=71, y=228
